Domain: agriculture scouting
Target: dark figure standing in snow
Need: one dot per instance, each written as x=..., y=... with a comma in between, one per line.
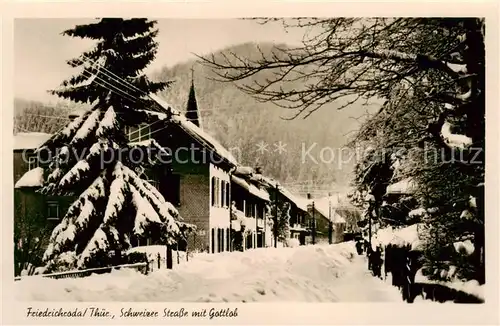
x=359, y=247
x=376, y=262
x=369, y=254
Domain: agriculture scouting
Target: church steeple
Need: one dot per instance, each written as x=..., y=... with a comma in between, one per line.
x=192, y=105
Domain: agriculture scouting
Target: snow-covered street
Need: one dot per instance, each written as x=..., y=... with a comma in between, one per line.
x=319, y=273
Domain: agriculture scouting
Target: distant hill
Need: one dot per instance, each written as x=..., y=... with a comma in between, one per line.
x=240, y=123
x=39, y=116
x=238, y=120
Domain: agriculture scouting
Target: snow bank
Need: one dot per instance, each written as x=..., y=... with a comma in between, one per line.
x=32, y=178
x=471, y=287
x=305, y=273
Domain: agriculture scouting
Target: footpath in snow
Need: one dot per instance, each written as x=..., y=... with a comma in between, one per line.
x=319, y=273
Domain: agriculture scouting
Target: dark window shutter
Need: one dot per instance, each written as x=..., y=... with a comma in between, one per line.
x=213, y=191
x=213, y=240
x=223, y=193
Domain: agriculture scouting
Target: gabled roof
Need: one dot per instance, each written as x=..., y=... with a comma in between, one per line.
x=30, y=140
x=252, y=189
x=270, y=183
x=336, y=202
x=193, y=130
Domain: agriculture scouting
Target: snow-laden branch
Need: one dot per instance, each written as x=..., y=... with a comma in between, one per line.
x=107, y=123
x=91, y=122
x=118, y=189
x=454, y=140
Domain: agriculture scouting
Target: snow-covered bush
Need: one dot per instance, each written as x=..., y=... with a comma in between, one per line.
x=62, y=263
x=135, y=257
x=292, y=242
x=282, y=227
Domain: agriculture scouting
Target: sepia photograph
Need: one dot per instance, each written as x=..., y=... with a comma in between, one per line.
x=245, y=160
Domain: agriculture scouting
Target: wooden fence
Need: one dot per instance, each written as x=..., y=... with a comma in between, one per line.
x=141, y=267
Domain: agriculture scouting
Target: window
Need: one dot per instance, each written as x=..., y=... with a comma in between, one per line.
x=52, y=210
x=213, y=240
x=213, y=191
x=217, y=192
x=248, y=209
x=138, y=133
x=228, y=203
x=32, y=162
x=228, y=239
x=249, y=240
x=223, y=193
x=220, y=240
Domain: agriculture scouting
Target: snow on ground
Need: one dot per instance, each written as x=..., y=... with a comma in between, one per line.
x=321, y=273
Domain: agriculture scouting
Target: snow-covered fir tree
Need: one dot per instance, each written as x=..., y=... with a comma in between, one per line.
x=282, y=227
x=128, y=46
x=91, y=158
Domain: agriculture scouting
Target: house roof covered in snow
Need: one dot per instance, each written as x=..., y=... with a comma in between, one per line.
x=30, y=140
x=252, y=189
x=334, y=202
x=32, y=178
x=298, y=201
x=194, y=131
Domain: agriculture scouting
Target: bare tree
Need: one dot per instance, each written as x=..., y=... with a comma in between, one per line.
x=429, y=68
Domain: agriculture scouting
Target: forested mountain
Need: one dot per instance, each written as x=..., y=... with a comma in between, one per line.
x=240, y=123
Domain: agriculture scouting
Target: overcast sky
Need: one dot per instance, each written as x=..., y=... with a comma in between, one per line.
x=40, y=50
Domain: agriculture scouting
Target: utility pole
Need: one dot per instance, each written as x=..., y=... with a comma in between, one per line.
x=276, y=216
x=330, y=223
x=313, y=221
x=313, y=226
x=370, y=229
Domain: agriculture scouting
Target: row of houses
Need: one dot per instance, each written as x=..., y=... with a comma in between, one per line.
x=208, y=186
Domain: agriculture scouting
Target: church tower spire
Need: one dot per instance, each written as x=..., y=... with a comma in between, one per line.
x=192, y=106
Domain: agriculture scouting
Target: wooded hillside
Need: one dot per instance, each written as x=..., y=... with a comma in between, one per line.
x=240, y=123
